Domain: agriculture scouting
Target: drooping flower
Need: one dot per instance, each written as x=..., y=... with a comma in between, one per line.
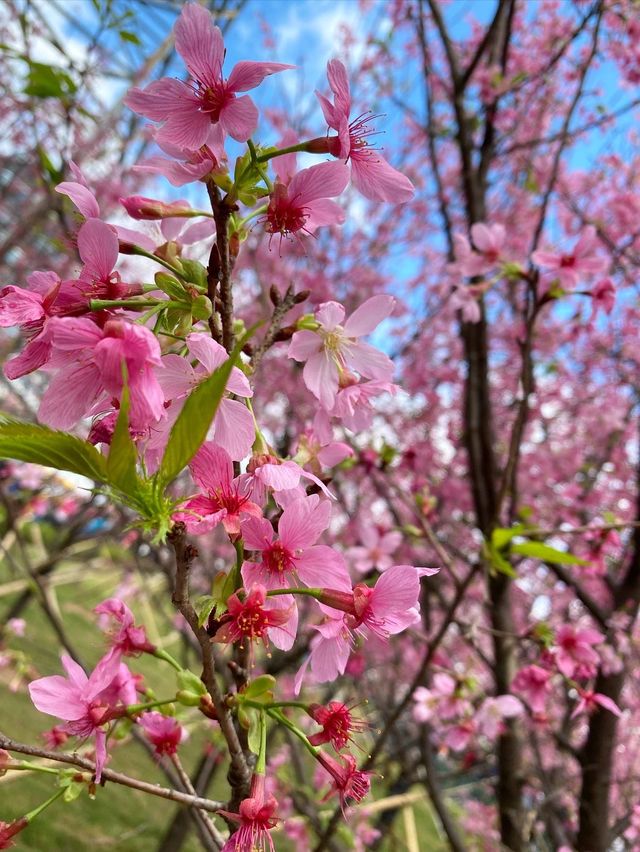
x=581, y=260
x=99, y=247
x=90, y=361
x=354, y=403
x=188, y=110
x=164, y=732
x=349, y=782
x=124, y=636
x=371, y=173
x=575, y=653
x=294, y=557
x=224, y=499
x=81, y=701
x=254, y=617
x=334, y=348
x=338, y=723
x=233, y=427
x=256, y=819
x=330, y=650
x=303, y=202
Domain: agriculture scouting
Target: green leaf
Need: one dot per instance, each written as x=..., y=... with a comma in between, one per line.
x=194, y=272
x=260, y=686
x=537, y=550
x=44, y=81
x=203, y=607
x=255, y=731
x=121, y=463
x=37, y=444
x=125, y=35
x=190, y=429
x=497, y=562
x=500, y=537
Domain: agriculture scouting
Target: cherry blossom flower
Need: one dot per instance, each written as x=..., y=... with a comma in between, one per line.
x=488, y=245
x=98, y=247
x=603, y=297
x=349, y=782
x=493, y=711
x=294, y=557
x=255, y=617
x=533, y=683
x=302, y=203
x=31, y=308
x=371, y=173
x=256, y=819
x=125, y=638
x=443, y=699
x=589, y=701
x=80, y=701
x=224, y=499
x=316, y=447
x=581, y=260
x=458, y=736
x=338, y=723
x=8, y=831
x=354, y=403
x=376, y=549
x=233, y=427
x=188, y=110
x=574, y=650
x=164, y=732
x=330, y=650
x=140, y=207
x=90, y=361
x=266, y=471
x=334, y=348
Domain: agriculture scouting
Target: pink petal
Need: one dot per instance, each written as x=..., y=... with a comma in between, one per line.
x=136, y=238
x=334, y=453
x=34, y=355
x=159, y=99
x=58, y=697
x=369, y=361
x=248, y=75
x=379, y=181
x=325, y=180
x=210, y=354
x=199, y=43
x=369, y=315
x=332, y=116
x=82, y=197
x=239, y=118
x=322, y=567
x=608, y=703
x=178, y=174
x=177, y=376
x=339, y=82
x=19, y=306
x=303, y=522
x=396, y=591
x=304, y=344
x=98, y=247
x=280, y=477
x=320, y=375
x=198, y=231
x=322, y=213
x=234, y=429
x=186, y=126
x=211, y=468
x=284, y=636
x=258, y=533
x=330, y=314
x=70, y=395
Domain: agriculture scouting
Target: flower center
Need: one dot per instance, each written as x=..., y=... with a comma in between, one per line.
x=277, y=558
x=213, y=99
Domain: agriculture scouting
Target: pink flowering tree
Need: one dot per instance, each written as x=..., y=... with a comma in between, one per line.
x=364, y=416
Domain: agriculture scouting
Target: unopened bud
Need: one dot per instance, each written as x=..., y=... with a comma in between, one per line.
x=274, y=295
x=301, y=297
x=139, y=207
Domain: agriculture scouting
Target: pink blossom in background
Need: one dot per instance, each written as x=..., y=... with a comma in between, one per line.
x=589, y=701
x=375, y=550
x=533, y=683
x=575, y=652
x=493, y=711
x=371, y=174
x=334, y=347
x=187, y=111
x=570, y=267
x=444, y=699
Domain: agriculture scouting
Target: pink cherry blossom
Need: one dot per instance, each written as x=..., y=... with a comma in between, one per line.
x=371, y=173
x=458, y=736
x=124, y=636
x=294, y=557
x=338, y=723
x=223, y=500
x=354, y=403
x=349, y=783
x=188, y=110
x=254, y=617
x=575, y=652
x=98, y=247
x=589, y=701
x=139, y=207
x=255, y=818
x=376, y=549
x=90, y=361
x=581, y=260
x=266, y=471
x=330, y=650
x=303, y=202
x=533, y=683
x=603, y=296
x=316, y=447
x=444, y=699
x=164, y=732
x=233, y=427
x=31, y=308
x=80, y=700
x=493, y=711
x=334, y=348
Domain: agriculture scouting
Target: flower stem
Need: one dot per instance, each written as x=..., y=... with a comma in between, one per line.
x=161, y=654
x=37, y=811
x=280, y=717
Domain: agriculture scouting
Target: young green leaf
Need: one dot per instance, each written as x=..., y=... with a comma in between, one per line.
x=121, y=463
x=37, y=444
x=537, y=550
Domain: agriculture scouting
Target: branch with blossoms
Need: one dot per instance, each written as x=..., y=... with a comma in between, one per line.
x=151, y=371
